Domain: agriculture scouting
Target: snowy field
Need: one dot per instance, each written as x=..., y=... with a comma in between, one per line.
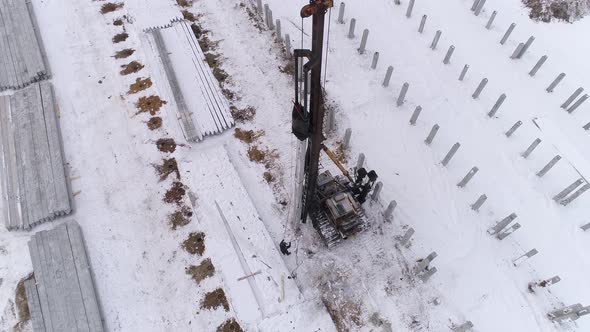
x=139, y=262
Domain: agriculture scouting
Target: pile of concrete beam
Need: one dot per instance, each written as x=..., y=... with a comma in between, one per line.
x=21, y=54
x=202, y=107
x=61, y=295
x=34, y=188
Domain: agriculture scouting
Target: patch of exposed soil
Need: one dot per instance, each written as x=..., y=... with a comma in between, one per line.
x=22, y=307
x=195, y=243
x=262, y=156
x=180, y=218
x=256, y=155
x=140, y=85
x=243, y=115
x=175, y=194
x=288, y=68
x=255, y=18
x=268, y=177
x=154, y=123
x=110, y=7
x=220, y=74
x=131, y=67
x=198, y=31
x=214, y=300
x=166, y=145
x=206, y=44
x=151, y=104
x=168, y=167
x=214, y=63
x=184, y=3
x=120, y=37
x=247, y=136
x=202, y=271
x=557, y=10
x=212, y=59
x=346, y=316
x=341, y=153
x=122, y=54
x=230, y=325
x=118, y=22
x=230, y=95
x=189, y=16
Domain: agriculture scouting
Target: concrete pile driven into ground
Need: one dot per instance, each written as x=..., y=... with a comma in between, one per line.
x=34, y=188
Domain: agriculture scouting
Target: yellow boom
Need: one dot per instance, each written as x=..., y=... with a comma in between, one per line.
x=335, y=160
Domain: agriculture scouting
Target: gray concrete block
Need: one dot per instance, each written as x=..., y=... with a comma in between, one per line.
x=514, y=127
x=66, y=299
x=468, y=177
x=555, y=82
x=463, y=72
x=479, y=202
x=491, y=20
x=22, y=60
x=450, y=154
x=549, y=166
x=422, y=23
x=35, y=184
x=502, y=224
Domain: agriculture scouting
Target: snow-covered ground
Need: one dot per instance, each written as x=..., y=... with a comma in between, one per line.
x=139, y=266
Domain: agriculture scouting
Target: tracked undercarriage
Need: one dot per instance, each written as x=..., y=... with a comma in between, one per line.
x=338, y=214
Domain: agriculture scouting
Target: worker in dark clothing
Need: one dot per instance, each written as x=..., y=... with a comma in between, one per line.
x=285, y=247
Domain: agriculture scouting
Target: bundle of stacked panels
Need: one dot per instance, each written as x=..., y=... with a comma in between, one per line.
x=202, y=107
x=21, y=54
x=61, y=296
x=32, y=174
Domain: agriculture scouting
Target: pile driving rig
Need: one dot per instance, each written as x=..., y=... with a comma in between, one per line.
x=332, y=202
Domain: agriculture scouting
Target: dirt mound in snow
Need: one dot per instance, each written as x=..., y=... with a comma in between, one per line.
x=166, y=145
x=557, y=10
x=175, y=194
x=202, y=271
x=131, y=67
x=151, y=104
x=184, y=3
x=154, y=123
x=195, y=243
x=110, y=7
x=168, y=167
x=247, y=136
x=189, y=16
x=140, y=85
x=122, y=54
x=230, y=325
x=214, y=300
x=120, y=37
x=180, y=218
x=22, y=307
x=243, y=115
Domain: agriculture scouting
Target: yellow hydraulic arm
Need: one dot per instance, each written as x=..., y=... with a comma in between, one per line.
x=335, y=160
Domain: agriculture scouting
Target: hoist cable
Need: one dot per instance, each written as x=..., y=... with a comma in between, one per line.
x=327, y=46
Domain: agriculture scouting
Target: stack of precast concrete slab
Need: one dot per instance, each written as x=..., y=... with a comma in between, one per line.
x=203, y=109
x=61, y=296
x=34, y=188
x=21, y=54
